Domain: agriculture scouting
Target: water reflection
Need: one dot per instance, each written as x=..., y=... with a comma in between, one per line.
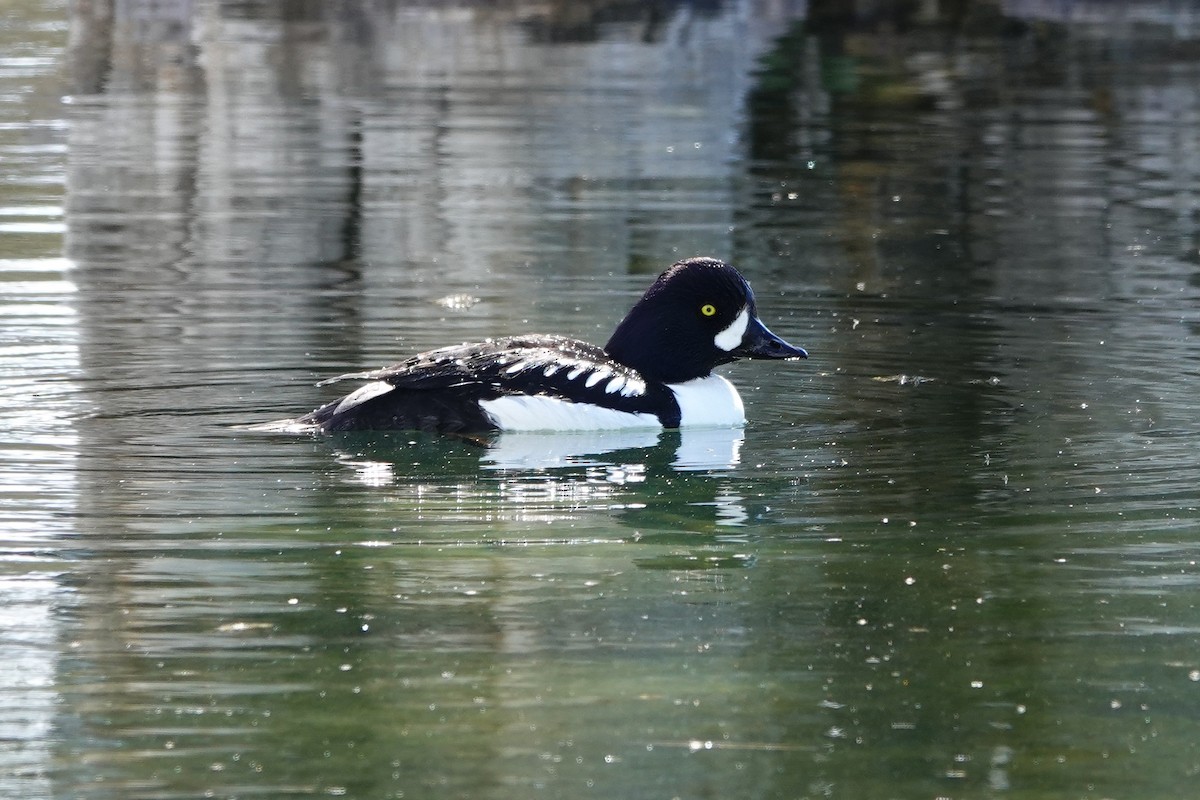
x=546, y=451
x=536, y=478
x=694, y=449
x=391, y=130
x=39, y=394
x=981, y=583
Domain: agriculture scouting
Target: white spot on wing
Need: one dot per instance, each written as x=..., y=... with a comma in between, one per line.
x=634, y=388
x=731, y=337
x=614, y=385
x=538, y=413
x=362, y=395
x=596, y=377
x=550, y=370
x=575, y=373
x=710, y=401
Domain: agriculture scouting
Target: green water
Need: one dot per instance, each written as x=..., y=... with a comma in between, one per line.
x=952, y=555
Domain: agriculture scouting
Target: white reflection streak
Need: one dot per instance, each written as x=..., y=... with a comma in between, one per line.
x=550, y=450
x=709, y=448
x=699, y=449
x=730, y=510
x=553, y=500
x=369, y=472
x=536, y=492
x=39, y=357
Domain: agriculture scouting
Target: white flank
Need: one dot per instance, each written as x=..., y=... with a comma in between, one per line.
x=362, y=395
x=520, y=412
x=710, y=401
x=731, y=337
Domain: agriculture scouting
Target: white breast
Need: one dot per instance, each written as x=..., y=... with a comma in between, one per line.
x=710, y=401
x=536, y=413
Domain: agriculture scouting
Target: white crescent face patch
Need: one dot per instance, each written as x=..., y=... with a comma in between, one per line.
x=731, y=337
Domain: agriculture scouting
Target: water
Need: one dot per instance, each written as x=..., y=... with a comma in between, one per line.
x=954, y=554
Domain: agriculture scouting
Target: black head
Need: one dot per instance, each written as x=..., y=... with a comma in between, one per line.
x=699, y=313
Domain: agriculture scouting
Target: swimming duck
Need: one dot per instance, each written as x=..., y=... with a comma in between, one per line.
x=656, y=371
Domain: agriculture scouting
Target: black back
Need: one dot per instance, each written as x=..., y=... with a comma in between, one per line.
x=439, y=391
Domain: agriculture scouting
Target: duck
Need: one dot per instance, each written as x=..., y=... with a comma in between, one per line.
x=655, y=372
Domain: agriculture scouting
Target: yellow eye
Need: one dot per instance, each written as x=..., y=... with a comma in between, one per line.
x=708, y=309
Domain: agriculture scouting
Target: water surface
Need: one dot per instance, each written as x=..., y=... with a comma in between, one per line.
x=954, y=554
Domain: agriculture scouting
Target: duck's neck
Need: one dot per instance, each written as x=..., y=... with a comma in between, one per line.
x=646, y=344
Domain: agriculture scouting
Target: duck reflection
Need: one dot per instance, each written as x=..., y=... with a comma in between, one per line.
x=674, y=480
x=694, y=449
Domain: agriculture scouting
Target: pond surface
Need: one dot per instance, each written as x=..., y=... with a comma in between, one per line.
x=953, y=555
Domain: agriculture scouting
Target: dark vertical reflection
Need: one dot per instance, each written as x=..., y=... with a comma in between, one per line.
x=89, y=58
x=954, y=172
x=352, y=225
x=962, y=187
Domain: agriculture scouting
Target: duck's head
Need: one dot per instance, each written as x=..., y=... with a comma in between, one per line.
x=698, y=314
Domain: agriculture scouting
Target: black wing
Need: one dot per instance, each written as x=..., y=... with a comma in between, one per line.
x=440, y=390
